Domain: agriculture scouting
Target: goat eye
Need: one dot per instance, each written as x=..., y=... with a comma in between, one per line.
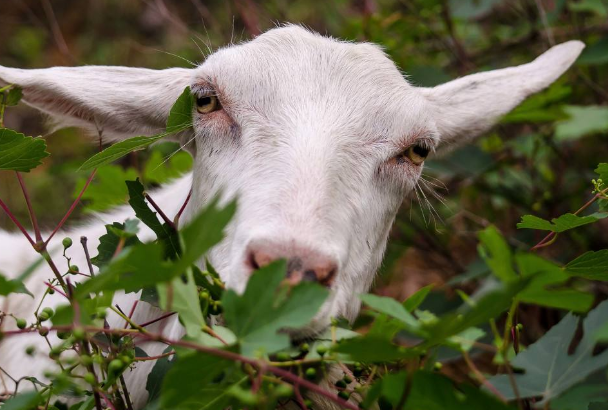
x=415, y=154
x=207, y=104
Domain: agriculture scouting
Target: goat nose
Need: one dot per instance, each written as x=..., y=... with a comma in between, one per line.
x=302, y=264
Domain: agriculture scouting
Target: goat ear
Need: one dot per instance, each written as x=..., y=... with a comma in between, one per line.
x=121, y=101
x=468, y=106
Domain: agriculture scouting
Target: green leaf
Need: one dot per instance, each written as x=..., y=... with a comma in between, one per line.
x=590, y=265
x=197, y=381
x=159, y=169
x=108, y=243
x=598, y=406
x=135, y=268
x=256, y=316
x=432, y=391
x=183, y=300
x=412, y=303
x=488, y=307
x=495, y=251
x=591, y=119
x=373, y=349
x=595, y=54
x=20, y=153
x=16, y=285
x=13, y=96
x=392, y=308
x=166, y=234
x=157, y=375
x=180, y=117
x=119, y=150
x=107, y=188
x=602, y=171
x=590, y=6
x=204, y=231
x=23, y=401
x=579, y=397
x=548, y=368
x=547, y=286
x=561, y=224
x=540, y=107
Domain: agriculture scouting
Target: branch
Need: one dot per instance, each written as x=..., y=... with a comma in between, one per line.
x=16, y=222
x=69, y=212
x=29, y=208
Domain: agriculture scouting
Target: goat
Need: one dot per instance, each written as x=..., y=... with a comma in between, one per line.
x=319, y=139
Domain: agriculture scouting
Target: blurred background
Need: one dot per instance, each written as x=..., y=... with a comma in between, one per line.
x=539, y=160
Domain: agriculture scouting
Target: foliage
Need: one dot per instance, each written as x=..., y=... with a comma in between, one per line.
x=507, y=303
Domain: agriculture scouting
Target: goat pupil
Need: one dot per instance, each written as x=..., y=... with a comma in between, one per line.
x=202, y=101
x=421, y=151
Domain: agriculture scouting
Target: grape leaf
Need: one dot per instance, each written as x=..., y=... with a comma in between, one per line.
x=590, y=265
x=548, y=368
x=392, y=308
x=20, y=153
x=583, y=121
x=256, y=316
x=561, y=224
x=180, y=117
x=119, y=150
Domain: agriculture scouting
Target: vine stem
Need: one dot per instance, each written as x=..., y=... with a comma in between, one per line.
x=17, y=223
x=72, y=207
x=548, y=240
x=29, y=208
x=181, y=210
x=224, y=354
x=480, y=377
x=160, y=211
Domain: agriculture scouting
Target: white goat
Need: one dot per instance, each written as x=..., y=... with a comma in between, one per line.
x=320, y=140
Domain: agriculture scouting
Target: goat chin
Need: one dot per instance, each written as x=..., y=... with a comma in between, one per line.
x=17, y=255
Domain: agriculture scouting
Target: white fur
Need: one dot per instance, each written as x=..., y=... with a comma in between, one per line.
x=305, y=142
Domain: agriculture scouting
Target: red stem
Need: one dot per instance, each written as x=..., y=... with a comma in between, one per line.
x=158, y=319
x=29, y=208
x=181, y=210
x=16, y=222
x=160, y=211
x=76, y=202
x=225, y=354
x=56, y=290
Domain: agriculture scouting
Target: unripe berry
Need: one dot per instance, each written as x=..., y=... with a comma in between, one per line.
x=43, y=316
x=30, y=350
x=43, y=331
x=283, y=356
x=63, y=335
x=21, y=323
x=49, y=311
x=311, y=373
x=322, y=349
x=101, y=313
x=67, y=242
x=343, y=395
x=347, y=379
x=304, y=348
x=341, y=384
x=86, y=360
x=89, y=378
x=115, y=366
x=283, y=390
x=79, y=333
x=74, y=269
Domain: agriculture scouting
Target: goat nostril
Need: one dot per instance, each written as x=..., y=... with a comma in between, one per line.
x=258, y=260
x=310, y=276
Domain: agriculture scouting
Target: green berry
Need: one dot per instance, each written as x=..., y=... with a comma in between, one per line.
x=304, y=348
x=74, y=269
x=116, y=366
x=89, y=378
x=437, y=366
x=97, y=358
x=347, y=379
x=49, y=311
x=67, y=242
x=343, y=395
x=283, y=356
x=203, y=295
x=79, y=333
x=322, y=349
x=21, y=323
x=30, y=350
x=43, y=316
x=86, y=360
x=51, y=291
x=43, y=331
x=311, y=373
x=520, y=327
x=341, y=384
x=126, y=359
x=101, y=313
x=55, y=352
x=283, y=390
x=63, y=335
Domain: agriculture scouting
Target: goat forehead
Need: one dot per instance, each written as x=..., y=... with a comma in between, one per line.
x=293, y=64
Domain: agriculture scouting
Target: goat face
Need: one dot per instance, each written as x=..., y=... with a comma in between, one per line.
x=318, y=139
